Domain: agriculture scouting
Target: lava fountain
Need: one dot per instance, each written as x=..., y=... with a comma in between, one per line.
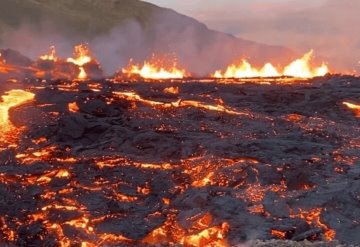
x=155, y=69
x=82, y=57
x=300, y=68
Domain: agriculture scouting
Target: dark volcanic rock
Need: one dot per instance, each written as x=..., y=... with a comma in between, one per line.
x=281, y=162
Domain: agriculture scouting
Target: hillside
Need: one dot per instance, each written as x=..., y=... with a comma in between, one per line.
x=120, y=29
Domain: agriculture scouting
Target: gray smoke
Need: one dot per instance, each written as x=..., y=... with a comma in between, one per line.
x=198, y=49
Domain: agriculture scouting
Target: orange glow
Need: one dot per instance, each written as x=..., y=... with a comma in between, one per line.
x=171, y=90
x=132, y=96
x=73, y=107
x=201, y=233
x=213, y=236
x=207, y=180
x=51, y=56
x=10, y=100
x=82, y=57
x=300, y=68
x=278, y=234
x=63, y=174
x=6, y=68
x=355, y=108
x=155, y=69
x=312, y=217
x=245, y=70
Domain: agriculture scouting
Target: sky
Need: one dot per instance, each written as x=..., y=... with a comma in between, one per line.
x=330, y=27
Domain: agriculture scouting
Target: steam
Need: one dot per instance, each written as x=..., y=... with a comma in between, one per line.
x=198, y=50
x=327, y=26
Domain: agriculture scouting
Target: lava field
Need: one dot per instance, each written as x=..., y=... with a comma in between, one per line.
x=184, y=162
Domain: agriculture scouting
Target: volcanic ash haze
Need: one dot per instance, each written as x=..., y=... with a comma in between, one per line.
x=117, y=30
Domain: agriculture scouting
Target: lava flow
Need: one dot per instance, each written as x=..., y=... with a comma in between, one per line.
x=300, y=68
x=176, y=162
x=154, y=69
x=354, y=107
x=10, y=100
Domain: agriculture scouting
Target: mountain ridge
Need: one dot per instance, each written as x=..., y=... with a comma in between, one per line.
x=124, y=29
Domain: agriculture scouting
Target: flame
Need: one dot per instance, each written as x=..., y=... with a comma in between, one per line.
x=155, y=70
x=353, y=107
x=51, y=56
x=73, y=107
x=299, y=68
x=12, y=99
x=82, y=57
x=201, y=233
x=246, y=70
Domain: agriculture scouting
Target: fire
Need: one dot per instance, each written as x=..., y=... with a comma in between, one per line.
x=171, y=90
x=353, y=107
x=73, y=107
x=82, y=57
x=278, y=234
x=12, y=99
x=155, y=70
x=313, y=217
x=245, y=70
x=300, y=68
x=51, y=56
x=201, y=233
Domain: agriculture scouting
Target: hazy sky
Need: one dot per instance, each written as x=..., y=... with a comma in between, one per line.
x=330, y=27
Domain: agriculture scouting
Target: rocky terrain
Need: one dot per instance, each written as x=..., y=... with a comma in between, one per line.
x=191, y=162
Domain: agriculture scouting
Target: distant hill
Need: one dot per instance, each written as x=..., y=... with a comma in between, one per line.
x=121, y=29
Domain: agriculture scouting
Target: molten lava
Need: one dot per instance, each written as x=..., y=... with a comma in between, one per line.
x=73, y=107
x=300, y=68
x=155, y=69
x=51, y=56
x=6, y=68
x=313, y=217
x=82, y=57
x=355, y=108
x=132, y=96
x=12, y=99
x=201, y=233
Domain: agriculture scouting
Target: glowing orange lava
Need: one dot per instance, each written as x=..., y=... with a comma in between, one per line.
x=313, y=217
x=6, y=68
x=155, y=69
x=73, y=107
x=132, y=96
x=12, y=99
x=51, y=56
x=82, y=57
x=201, y=233
x=300, y=68
x=355, y=108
